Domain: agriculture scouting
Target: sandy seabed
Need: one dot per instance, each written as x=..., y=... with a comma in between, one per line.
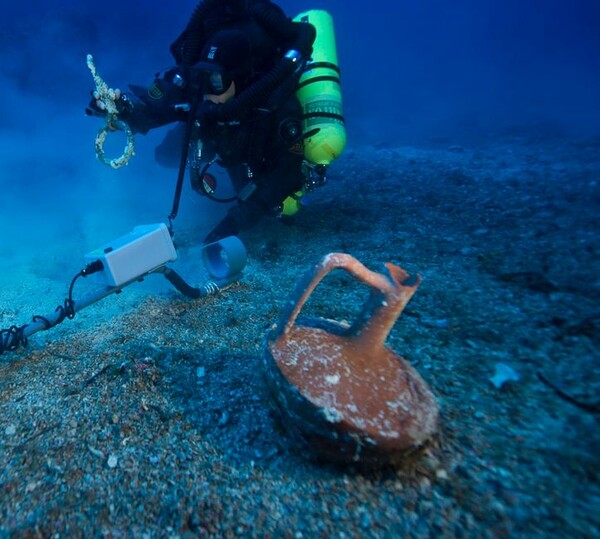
x=148, y=415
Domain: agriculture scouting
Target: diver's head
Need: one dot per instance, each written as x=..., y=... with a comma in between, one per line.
x=225, y=63
x=237, y=7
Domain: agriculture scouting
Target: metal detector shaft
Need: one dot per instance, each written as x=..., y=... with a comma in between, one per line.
x=130, y=259
x=49, y=320
x=208, y=289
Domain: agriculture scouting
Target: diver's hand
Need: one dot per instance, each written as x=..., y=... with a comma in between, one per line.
x=97, y=106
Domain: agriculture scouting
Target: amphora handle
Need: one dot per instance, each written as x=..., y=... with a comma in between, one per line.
x=390, y=293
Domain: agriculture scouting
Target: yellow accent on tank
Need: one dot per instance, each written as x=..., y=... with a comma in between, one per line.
x=319, y=92
x=292, y=204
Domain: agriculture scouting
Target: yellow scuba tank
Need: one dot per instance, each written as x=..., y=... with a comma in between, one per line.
x=320, y=94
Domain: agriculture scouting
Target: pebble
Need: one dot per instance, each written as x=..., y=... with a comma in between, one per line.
x=95, y=452
x=435, y=322
x=10, y=430
x=112, y=461
x=498, y=508
x=503, y=374
x=441, y=474
x=224, y=419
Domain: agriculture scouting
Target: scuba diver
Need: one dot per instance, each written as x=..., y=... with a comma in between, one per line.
x=233, y=92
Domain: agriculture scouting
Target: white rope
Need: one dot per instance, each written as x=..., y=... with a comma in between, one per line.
x=107, y=97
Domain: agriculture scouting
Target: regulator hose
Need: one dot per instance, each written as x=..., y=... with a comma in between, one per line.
x=187, y=290
x=206, y=17
x=295, y=35
x=188, y=45
x=259, y=91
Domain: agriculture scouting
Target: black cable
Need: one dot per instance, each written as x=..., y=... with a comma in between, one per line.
x=13, y=337
x=257, y=93
x=66, y=310
x=592, y=407
x=204, y=189
x=189, y=127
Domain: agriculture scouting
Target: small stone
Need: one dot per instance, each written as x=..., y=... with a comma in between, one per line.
x=224, y=419
x=441, y=474
x=112, y=461
x=95, y=452
x=194, y=521
x=498, y=508
x=504, y=373
x=11, y=430
x=431, y=463
x=435, y=322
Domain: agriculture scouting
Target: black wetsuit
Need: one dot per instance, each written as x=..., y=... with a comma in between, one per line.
x=262, y=137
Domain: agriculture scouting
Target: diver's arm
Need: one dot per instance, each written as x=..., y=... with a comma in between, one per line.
x=142, y=115
x=164, y=102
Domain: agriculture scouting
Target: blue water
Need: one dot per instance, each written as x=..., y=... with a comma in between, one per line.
x=412, y=72
x=412, y=65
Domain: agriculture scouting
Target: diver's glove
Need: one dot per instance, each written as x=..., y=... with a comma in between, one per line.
x=168, y=86
x=123, y=104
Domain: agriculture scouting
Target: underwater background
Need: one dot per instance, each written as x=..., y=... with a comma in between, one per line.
x=412, y=71
x=473, y=158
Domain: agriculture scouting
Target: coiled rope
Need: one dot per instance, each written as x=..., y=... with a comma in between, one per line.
x=108, y=97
